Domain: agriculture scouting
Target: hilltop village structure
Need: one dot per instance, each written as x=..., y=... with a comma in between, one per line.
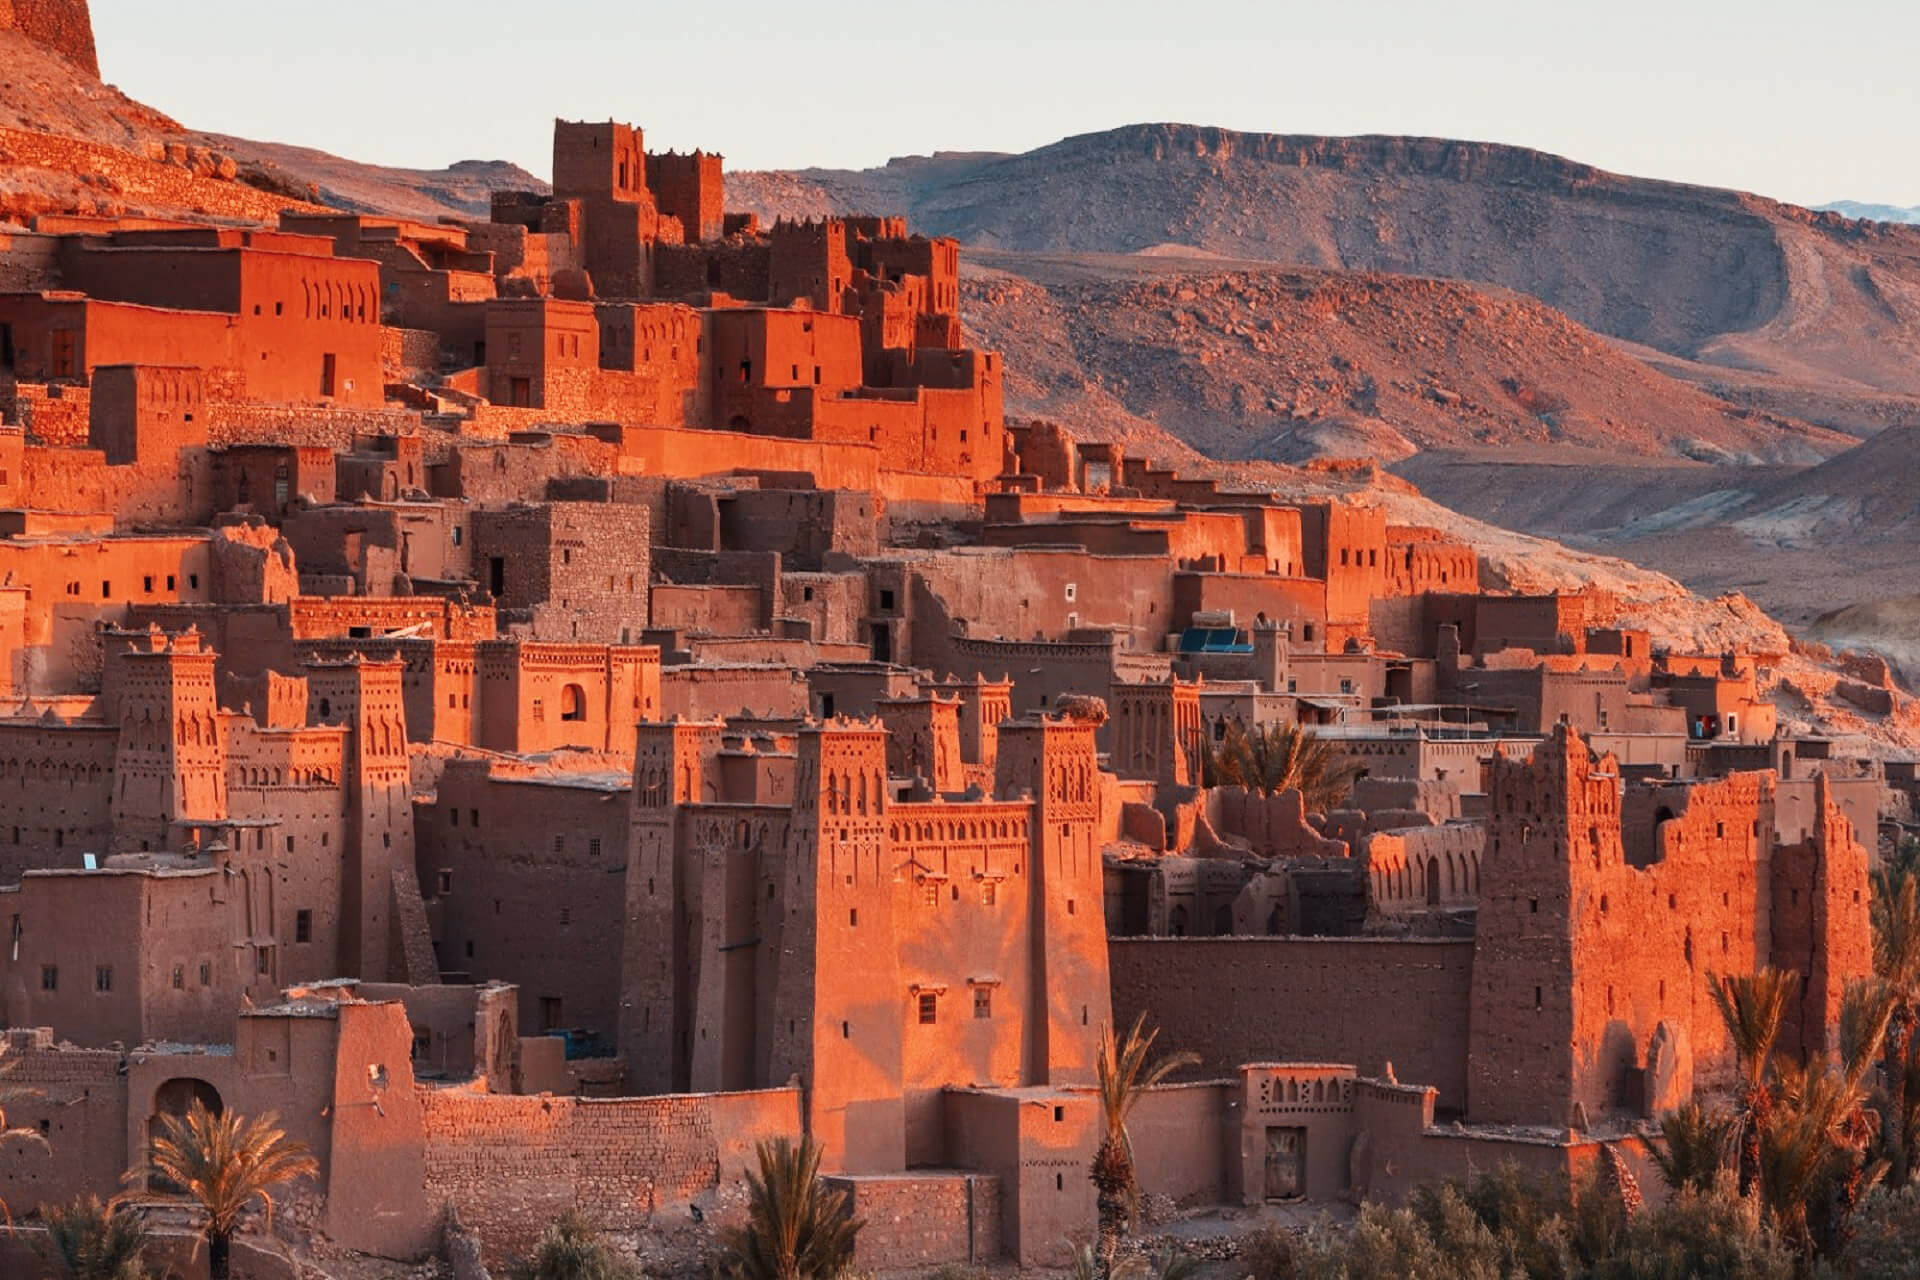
x=545, y=702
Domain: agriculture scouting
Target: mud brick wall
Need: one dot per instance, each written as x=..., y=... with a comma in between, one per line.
x=511, y=1165
x=310, y=428
x=924, y=1219
x=1364, y=1001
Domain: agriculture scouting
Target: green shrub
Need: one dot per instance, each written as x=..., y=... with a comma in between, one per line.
x=574, y=1248
x=1886, y=1236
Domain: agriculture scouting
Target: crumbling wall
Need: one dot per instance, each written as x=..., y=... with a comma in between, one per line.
x=510, y=1165
x=64, y=26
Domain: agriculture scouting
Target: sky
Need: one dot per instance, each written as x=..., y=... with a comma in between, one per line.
x=1806, y=102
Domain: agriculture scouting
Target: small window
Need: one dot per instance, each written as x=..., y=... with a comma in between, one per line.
x=566, y=917
x=179, y=977
x=1073, y=591
x=303, y=926
x=929, y=1009
x=446, y=880
x=886, y=599
x=931, y=894
x=989, y=893
x=593, y=849
x=206, y=973
x=49, y=977
x=983, y=1002
x=103, y=977
x=559, y=844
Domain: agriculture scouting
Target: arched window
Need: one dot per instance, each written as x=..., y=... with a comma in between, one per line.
x=573, y=703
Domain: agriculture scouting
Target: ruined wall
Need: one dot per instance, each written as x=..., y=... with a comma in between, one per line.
x=1361, y=1000
x=64, y=26
x=510, y=1165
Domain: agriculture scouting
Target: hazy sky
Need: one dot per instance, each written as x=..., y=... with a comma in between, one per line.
x=1804, y=101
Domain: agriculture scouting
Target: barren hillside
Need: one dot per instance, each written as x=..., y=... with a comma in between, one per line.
x=71, y=144
x=1721, y=277
x=1246, y=360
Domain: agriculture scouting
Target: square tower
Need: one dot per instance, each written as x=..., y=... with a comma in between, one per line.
x=598, y=160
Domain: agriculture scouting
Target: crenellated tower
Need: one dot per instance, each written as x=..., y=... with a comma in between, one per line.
x=1055, y=762
x=840, y=1008
x=377, y=874
x=170, y=764
x=672, y=764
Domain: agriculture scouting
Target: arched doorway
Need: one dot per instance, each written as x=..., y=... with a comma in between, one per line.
x=176, y=1098
x=1433, y=882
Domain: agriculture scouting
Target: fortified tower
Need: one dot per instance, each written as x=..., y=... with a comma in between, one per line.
x=670, y=773
x=1520, y=1058
x=377, y=871
x=1055, y=762
x=840, y=1010
x=169, y=769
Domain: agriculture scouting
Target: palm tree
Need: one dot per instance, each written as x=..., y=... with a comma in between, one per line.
x=224, y=1164
x=1896, y=960
x=796, y=1229
x=94, y=1241
x=1697, y=1142
x=1753, y=1006
x=1123, y=1073
x=1274, y=757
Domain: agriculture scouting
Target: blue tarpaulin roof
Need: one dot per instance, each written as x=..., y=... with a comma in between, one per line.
x=1214, y=640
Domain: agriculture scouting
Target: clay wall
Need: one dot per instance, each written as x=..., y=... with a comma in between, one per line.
x=510, y=1165
x=1038, y=1143
x=63, y=337
x=704, y=692
x=1423, y=868
x=77, y=1098
x=109, y=956
x=62, y=25
x=923, y=1219
x=532, y=893
x=963, y=928
x=577, y=570
x=692, y=189
x=669, y=451
x=1026, y=593
x=55, y=782
x=1237, y=1000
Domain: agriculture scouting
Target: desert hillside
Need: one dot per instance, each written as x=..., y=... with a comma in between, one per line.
x=72, y=144
x=1248, y=360
x=1729, y=280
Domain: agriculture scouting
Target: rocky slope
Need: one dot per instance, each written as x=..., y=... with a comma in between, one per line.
x=71, y=144
x=1252, y=361
x=1720, y=277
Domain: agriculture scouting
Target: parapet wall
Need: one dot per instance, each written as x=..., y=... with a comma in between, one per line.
x=1360, y=1000
x=511, y=1164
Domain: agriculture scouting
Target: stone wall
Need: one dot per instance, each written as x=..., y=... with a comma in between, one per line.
x=1361, y=1000
x=510, y=1164
x=64, y=26
x=924, y=1219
